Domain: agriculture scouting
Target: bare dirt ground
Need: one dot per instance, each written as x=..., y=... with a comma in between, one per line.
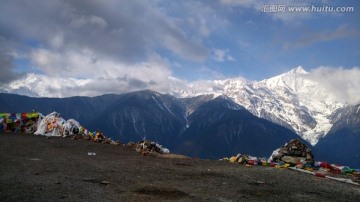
x=35, y=168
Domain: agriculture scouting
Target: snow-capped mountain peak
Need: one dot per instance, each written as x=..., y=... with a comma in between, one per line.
x=30, y=85
x=28, y=81
x=298, y=70
x=306, y=105
x=291, y=99
x=292, y=79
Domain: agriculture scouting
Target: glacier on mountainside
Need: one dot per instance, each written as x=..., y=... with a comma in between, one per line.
x=290, y=99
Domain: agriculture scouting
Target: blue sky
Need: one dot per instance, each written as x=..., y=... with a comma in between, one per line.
x=93, y=46
x=263, y=45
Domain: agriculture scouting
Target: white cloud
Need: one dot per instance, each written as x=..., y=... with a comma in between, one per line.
x=222, y=55
x=207, y=73
x=85, y=21
x=99, y=78
x=246, y=3
x=128, y=31
x=57, y=40
x=107, y=44
x=96, y=47
x=230, y=58
x=203, y=29
x=219, y=55
x=344, y=84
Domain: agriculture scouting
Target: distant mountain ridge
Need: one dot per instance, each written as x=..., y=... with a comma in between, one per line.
x=343, y=139
x=292, y=99
x=203, y=126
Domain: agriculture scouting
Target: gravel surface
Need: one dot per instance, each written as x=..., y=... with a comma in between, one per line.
x=36, y=168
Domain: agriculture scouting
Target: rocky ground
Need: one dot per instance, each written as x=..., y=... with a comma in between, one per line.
x=36, y=168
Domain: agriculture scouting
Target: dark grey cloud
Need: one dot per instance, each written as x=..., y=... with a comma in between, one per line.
x=83, y=47
x=7, y=72
x=125, y=30
x=6, y=68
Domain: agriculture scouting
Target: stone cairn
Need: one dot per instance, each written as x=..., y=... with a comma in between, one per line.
x=146, y=147
x=294, y=152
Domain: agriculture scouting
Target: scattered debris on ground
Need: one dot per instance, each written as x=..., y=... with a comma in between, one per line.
x=66, y=173
x=296, y=156
x=54, y=125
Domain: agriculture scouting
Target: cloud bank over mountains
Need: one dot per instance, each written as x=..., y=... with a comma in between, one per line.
x=64, y=48
x=342, y=84
x=93, y=40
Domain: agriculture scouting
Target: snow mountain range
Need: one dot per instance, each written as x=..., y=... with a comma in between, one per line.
x=201, y=126
x=292, y=99
x=233, y=116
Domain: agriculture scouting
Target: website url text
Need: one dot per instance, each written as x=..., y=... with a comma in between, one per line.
x=275, y=8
